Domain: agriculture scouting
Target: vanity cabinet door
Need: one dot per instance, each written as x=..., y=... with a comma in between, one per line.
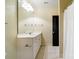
x=39, y=39
x=24, y=49
x=25, y=53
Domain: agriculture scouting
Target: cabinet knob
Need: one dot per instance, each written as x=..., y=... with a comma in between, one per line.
x=27, y=45
x=6, y=23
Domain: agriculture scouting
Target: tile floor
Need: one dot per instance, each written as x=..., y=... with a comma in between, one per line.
x=48, y=52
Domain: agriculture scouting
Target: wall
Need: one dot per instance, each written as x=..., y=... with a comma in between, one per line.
x=61, y=33
x=69, y=32
x=40, y=20
x=63, y=5
x=10, y=28
x=61, y=28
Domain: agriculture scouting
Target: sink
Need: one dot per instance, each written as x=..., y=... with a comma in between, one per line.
x=28, y=35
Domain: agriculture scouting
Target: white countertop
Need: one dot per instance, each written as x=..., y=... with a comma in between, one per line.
x=28, y=35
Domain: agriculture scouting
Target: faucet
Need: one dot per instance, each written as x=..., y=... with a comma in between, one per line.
x=30, y=33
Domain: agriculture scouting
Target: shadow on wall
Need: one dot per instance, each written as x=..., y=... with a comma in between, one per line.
x=42, y=40
x=41, y=53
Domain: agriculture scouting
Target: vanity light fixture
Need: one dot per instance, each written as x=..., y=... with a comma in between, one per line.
x=27, y=6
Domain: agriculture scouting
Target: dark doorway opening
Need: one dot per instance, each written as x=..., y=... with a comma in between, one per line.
x=55, y=23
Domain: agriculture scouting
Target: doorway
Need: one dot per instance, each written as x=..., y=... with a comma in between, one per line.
x=55, y=35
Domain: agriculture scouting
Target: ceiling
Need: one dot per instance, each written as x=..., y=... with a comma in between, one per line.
x=44, y=4
x=64, y=4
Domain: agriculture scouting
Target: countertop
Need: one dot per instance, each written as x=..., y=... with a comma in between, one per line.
x=28, y=35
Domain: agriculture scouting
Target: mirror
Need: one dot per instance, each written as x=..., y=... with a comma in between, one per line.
x=25, y=11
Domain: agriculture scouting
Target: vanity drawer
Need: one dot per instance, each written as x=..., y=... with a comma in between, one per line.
x=24, y=43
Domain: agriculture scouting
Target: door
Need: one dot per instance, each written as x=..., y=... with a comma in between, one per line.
x=55, y=30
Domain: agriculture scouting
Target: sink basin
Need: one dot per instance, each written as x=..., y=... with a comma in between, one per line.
x=28, y=35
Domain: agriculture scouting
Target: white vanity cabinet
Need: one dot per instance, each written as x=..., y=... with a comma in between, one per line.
x=36, y=45
x=28, y=47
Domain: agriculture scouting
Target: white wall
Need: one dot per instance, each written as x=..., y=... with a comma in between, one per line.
x=69, y=32
x=10, y=28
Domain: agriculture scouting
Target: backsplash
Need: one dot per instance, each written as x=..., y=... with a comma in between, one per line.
x=33, y=25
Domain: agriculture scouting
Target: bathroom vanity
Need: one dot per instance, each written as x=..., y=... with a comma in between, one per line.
x=28, y=45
